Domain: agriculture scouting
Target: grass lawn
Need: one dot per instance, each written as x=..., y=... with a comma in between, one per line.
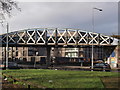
x=63, y=79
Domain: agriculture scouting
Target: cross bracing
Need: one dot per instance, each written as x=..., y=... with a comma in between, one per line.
x=56, y=36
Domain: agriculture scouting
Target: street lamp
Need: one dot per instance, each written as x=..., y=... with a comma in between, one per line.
x=92, y=35
x=7, y=47
x=35, y=58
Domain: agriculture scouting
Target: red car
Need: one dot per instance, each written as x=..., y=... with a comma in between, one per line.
x=11, y=65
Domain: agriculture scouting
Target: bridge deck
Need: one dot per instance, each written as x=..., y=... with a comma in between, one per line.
x=56, y=37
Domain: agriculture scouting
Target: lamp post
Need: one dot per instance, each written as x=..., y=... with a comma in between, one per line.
x=93, y=24
x=35, y=59
x=7, y=49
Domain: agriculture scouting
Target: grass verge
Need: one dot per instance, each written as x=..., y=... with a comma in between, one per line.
x=63, y=79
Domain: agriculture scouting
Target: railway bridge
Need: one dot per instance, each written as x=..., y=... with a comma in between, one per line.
x=57, y=38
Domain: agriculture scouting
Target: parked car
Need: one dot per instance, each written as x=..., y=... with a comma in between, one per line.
x=11, y=65
x=101, y=67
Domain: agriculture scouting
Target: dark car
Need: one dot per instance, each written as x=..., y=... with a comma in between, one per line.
x=101, y=67
x=11, y=65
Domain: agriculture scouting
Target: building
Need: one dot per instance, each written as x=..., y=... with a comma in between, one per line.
x=114, y=59
x=69, y=45
x=39, y=54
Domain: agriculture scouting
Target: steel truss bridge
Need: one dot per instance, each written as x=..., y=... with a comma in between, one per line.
x=55, y=37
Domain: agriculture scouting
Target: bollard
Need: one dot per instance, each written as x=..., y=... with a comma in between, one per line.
x=14, y=80
x=28, y=87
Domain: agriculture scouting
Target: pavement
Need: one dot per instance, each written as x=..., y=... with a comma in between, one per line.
x=31, y=66
x=83, y=68
x=62, y=67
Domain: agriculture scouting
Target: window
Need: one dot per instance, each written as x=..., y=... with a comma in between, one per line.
x=16, y=53
x=97, y=64
x=101, y=64
x=69, y=54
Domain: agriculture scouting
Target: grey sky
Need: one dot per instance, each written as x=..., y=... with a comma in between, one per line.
x=66, y=15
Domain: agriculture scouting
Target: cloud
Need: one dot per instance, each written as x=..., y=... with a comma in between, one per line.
x=68, y=0
x=66, y=15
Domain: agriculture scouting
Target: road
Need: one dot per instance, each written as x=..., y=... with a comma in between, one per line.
x=63, y=67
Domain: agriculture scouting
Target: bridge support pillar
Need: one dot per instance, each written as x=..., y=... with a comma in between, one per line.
x=48, y=60
x=12, y=54
x=56, y=53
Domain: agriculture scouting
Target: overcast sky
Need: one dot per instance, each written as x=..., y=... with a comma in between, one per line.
x=77, y=15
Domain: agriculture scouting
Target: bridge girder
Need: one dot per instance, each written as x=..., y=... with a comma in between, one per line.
x=55, y=37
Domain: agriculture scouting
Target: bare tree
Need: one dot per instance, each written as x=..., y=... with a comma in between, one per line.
x=6, y=7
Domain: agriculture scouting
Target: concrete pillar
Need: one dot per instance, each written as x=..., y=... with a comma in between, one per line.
x=62, y=52
x=27, y=50
x=4, y=54
x=0, y=54
x=48, y=60
x=16, y=52
x=12, y=53
x=78, y=52
x=56, y=52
